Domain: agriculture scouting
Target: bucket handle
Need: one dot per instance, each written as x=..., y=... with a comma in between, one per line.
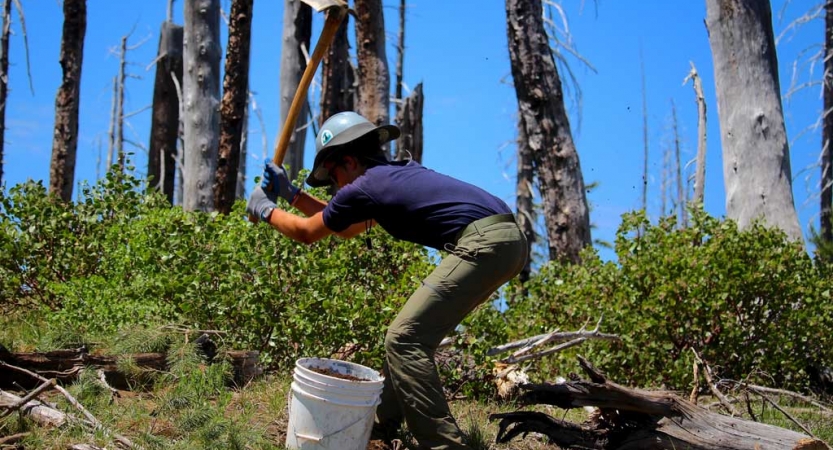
x=320, y=438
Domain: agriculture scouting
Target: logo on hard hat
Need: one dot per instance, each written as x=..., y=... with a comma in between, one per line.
x=326, y=136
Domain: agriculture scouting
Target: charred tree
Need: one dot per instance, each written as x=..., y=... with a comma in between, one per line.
x=525, y=187
x=120, y=105
x=400, y=59
x=65, y=137
x=337, y=76
x=233, y=106
x=826, y=219
x=756, y=153
x=297, y=30
x=409, y=120
x=164, y=128
x=373, y=74
x=240, y=191
x=547, y=129
x=201, y=91
x=678, y=170
x=4, y=76
x=111, y=133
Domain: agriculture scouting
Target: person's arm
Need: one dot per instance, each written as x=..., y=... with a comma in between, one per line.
x=310, y=206
x=309, y=229
x=305, y=230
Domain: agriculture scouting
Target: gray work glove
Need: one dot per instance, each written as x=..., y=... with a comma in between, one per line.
x=261, y=204
x=276, y=182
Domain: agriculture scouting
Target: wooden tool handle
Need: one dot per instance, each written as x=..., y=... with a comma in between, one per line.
x=334, y=17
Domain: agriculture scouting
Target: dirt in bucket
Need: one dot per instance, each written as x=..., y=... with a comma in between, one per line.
x=334, y=374
x=376, y=444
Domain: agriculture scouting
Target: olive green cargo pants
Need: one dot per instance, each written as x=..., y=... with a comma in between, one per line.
x=487, y=255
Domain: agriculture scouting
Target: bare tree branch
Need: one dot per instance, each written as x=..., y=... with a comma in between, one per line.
x=19, y=9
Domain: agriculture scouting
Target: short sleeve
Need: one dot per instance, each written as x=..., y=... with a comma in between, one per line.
x=350, y=205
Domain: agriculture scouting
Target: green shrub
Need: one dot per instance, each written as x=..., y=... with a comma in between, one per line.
x=750, y=302
x=118, y=258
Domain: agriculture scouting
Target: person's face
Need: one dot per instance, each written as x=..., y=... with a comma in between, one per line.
x=343, y=170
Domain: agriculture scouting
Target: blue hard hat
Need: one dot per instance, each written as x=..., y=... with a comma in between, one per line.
x=336, y=135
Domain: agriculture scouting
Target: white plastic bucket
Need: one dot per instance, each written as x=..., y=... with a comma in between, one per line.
x=328, y=412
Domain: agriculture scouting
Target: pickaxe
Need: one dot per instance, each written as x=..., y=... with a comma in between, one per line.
x=336, y=10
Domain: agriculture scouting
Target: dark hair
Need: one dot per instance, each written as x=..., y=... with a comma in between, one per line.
x=366, y=150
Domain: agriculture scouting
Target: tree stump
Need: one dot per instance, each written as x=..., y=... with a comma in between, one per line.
x=639, y=419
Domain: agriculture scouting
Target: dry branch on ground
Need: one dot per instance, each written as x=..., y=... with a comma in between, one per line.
x=638, y=419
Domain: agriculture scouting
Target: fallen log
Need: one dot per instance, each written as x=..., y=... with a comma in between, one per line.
x=65, y=365
x=38, y=411
x=639, y=419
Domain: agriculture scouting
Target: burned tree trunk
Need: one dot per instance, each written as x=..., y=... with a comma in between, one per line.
x=826, y=225
x=547, y=129
x=337, y=76
x=65, y=137
x=240, y=191
x=120, y=105
x=164, y=128
x=637, y=419
x=525, y=186
x=400, y=59
x=201, y=92
x=233, y=106
x=4, y=76
x=756, y=153
x=297, y=30
x=409, y=120
x=373, y=73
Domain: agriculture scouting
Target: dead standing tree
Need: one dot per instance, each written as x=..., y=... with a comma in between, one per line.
x=233, y=106
x=700, y=169
x=409, y=109
x=297, y=32
x=201, y=92
x=373, y=73
x=756, y=154
x=400, y=59
x=4, y=75
x=524, y=193
x=409, y=119
x=547, y=129
x=337, y=76
x=4, y=67
x=826, y=219
x=164, y=128
x=65, y=137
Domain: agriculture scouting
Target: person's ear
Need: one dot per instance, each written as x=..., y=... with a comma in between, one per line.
x=350, y=162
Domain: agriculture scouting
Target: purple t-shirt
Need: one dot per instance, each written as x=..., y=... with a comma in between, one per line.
x=411, y=203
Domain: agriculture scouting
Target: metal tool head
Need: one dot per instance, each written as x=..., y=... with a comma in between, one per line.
x=321, y=5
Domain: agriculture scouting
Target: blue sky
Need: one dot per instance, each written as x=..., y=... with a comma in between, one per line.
x=458, y=50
